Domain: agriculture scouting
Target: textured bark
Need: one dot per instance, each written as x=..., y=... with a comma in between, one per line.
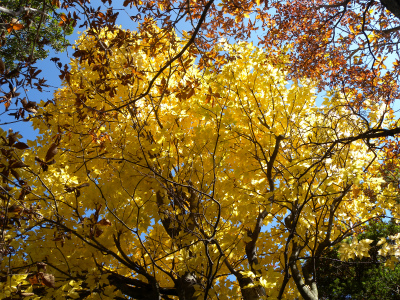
x=185, y=287
x=184, y=284
x=250, y=293
x=137, y=289
x=308, y=292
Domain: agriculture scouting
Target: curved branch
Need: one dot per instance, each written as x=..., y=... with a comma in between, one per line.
x=169, y=63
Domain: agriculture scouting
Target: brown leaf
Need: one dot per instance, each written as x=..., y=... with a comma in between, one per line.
x=7, y=104
x=48, y=280
x=126, y=3
x=15, y=174
x=33, y=279
x=32, y=110
x=18, y=164
x=4, y=174
x=13, y=137
x=12, y=74
x=44, y=165
x=21, y=146
x=51, y=152
x=24, y=102
x=98, y=232
x=41, y=266
x=14, y=209
x=29, y=106
x=104, y=222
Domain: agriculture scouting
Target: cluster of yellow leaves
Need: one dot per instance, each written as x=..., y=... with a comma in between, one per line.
x=355, y=248
x=391, y=249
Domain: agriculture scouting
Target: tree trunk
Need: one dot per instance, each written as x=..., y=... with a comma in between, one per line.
x=185, y=287
x=251, y=293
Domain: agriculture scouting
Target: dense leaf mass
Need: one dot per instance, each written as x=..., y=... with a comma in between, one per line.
x=195, y=183
x=28, y=31
x=29, y=26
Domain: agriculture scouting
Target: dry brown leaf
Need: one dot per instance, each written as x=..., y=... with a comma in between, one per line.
x=21, y=146
x=18, y=164
x=14, y=209
x=104, y=222
x=33, y=279
x=98, y=232
x=51, y=152
x=48, y=280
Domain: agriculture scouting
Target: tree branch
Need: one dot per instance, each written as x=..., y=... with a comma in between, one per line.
x=21, y=10
x=340, y=4
x=190, y=42
x=138, y=289
x=308, y=292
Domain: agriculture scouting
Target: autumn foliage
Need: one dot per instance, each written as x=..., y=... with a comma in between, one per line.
x=181, y=166
x=216, y=182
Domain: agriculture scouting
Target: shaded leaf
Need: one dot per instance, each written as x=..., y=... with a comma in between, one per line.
x=18, y=164
x=48, y=280
x=41, y=266
x=21, y=146
x=14, y=209
x=15, y=174
x=98, y=232
x=51, y=152
x=104, y=222
x=33, y=279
